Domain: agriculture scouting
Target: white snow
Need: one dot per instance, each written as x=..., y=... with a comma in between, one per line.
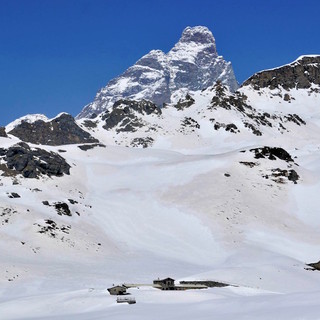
x=190, y=207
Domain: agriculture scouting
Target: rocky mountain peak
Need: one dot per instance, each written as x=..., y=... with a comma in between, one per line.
x=192, y=64
x=198, y=34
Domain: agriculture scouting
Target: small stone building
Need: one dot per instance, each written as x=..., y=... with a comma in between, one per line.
x=165, y=284
x=117, y=290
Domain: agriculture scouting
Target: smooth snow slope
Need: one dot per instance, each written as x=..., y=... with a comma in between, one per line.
x=154, y=213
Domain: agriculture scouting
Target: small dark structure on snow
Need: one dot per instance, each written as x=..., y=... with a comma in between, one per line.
x=117, y=290
x=164, y=284
x=168, y=284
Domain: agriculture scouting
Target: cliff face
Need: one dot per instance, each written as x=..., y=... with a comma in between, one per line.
x=300, y=74
x=59, y=131
x=3, y=132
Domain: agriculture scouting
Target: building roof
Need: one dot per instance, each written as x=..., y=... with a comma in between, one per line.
x=117, y=287
x=164, y=279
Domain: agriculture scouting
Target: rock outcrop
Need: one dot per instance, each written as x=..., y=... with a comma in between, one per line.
x=3, y=132
x=59, y=131
x=300, y=74
x=125, y=115
x=31, y=162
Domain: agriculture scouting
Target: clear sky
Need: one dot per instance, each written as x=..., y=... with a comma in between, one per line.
x=55, y=55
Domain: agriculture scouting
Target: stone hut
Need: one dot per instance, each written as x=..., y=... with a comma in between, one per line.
x=117, y=290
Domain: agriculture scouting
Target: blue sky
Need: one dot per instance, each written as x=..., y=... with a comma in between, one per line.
x=55, y=55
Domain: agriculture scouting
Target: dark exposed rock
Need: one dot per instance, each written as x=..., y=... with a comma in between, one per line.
x=272, y=153
x=278, y=175
x=86, y=147
x=60, y=131
x=90, y=124
x=315, y=265
x=300, y=74
x=254, y=130
x=31, y=163
x=232, y=128
x=249, y=164
x=125, y=115
x=187, y=102
x=62, y=209
x=286, y=97
x=142, y=142
x=294, y=118
x=228, y=127
x=52, y=229
x=6, y=214
x=293, y=176
x=3, y=132
x=142, y=107
x=190, y=122
x=14, y=195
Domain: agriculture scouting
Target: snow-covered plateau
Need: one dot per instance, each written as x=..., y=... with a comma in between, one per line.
x=216, y=186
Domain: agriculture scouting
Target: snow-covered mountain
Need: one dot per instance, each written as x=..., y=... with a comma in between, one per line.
x=217, y=185
x=192, y=64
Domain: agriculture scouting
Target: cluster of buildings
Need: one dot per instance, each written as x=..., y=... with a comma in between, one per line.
x=162, y=284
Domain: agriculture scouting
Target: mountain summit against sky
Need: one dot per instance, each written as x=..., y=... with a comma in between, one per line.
x=192, y=64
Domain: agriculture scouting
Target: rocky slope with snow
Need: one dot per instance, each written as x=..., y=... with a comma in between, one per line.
x=192, y=64
x=304, y=73
x=38, y=129
x=195, y=121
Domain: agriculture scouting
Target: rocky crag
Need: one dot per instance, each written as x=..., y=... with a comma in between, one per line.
x=59, y=131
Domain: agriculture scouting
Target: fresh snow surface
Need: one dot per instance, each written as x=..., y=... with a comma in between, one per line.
x=187, y=208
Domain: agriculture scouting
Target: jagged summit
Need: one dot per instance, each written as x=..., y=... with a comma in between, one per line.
x=198, y=34
x=192, y=64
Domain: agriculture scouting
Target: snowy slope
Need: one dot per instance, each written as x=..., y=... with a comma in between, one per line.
x=192, y=64
x=225, y=190
x=144, y=213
